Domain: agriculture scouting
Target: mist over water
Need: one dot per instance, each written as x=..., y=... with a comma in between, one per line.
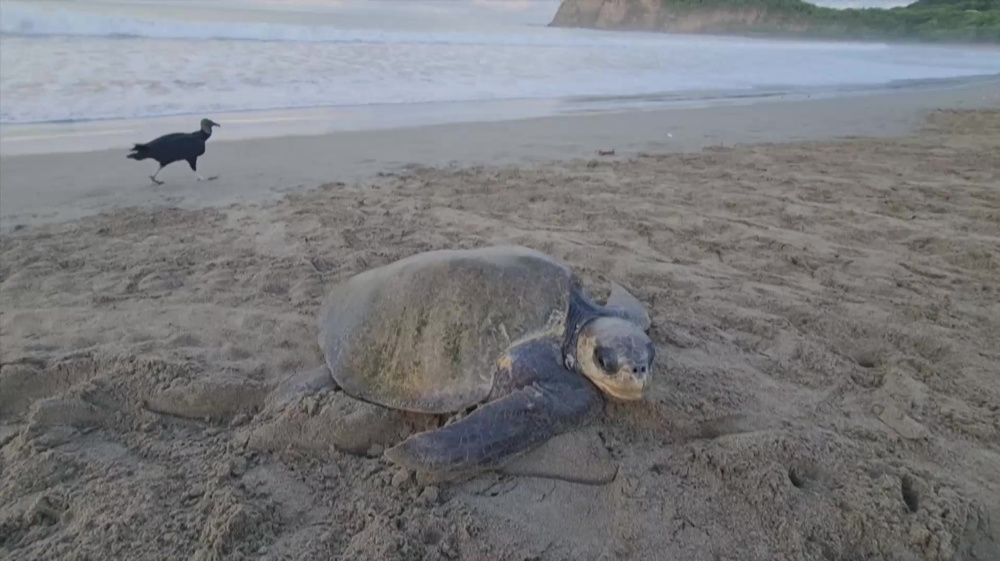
x=96, y=60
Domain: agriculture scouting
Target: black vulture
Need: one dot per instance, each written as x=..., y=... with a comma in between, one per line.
x=175, y=147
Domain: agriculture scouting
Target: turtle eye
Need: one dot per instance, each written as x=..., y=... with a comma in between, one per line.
x=606, y=359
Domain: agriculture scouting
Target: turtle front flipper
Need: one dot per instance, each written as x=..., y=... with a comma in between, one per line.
x=503, y=429
x=623, y=303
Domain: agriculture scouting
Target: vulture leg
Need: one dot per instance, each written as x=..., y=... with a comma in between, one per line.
x=193, y=162
x=153, y=177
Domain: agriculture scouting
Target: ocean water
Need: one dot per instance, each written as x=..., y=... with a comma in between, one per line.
x=84, y=60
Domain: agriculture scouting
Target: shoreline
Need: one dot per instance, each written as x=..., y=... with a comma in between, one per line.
x=59, y=137
x=43, y=188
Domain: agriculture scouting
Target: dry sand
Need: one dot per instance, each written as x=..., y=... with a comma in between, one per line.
x=827, y=385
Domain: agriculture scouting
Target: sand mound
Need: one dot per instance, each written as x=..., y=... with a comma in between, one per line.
x=826, y=316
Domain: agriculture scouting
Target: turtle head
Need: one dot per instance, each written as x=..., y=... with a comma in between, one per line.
x=616, y=355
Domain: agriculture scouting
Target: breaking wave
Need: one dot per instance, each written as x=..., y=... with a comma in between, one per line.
x=37, y=21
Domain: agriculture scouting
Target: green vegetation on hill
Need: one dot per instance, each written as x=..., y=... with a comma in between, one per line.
x=982, y=5
x=936, y=20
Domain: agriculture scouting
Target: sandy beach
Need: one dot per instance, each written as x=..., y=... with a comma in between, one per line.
x=822, y=276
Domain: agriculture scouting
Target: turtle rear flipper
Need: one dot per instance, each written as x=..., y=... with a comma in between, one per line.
x=501, y=430
x=301, y=383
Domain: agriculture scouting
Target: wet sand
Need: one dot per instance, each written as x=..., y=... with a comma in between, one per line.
x=825, y=313
x=46, y=187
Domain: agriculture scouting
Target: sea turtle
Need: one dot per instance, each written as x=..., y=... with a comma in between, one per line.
x=504, y=331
